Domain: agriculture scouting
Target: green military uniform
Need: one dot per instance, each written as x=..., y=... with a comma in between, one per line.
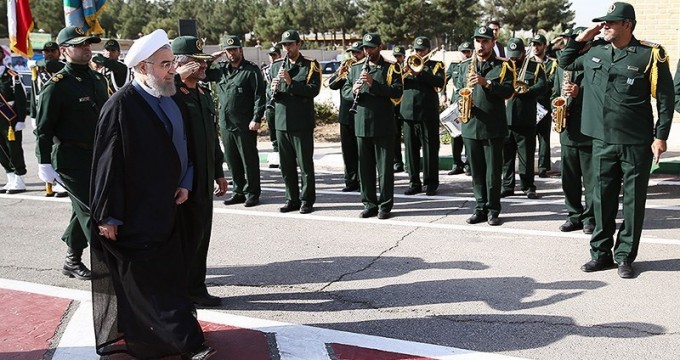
x=521, y=116
x=452, y=74
x=398, y=120
x=207, y=162
x=348, y=140
x=114, y=71
x=41, y=73
x=543, y=127
x=269, y=113
x=12, y=117
x=420, y=111
x=295, y=122
x=68, y=109
x=676, y=83
x=374, y=127
x=617, y=89
x=241, y=94
x=485, y=133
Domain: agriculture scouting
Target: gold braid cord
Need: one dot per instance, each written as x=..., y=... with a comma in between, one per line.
x=393, y=70
x=504, y=70
x=312, y=69
x=654, y=61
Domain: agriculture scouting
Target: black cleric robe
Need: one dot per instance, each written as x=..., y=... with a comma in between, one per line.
x=140, y=299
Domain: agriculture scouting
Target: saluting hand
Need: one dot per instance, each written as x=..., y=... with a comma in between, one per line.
x=658, y=148
x=589, y=33
x=187, y=69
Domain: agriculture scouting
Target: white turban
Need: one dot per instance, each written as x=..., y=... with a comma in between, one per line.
x=145, y=46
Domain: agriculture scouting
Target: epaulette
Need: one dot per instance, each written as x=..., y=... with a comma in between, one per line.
x=184, y=90
x=359, y=62
x=649, y=43
x=56, y=78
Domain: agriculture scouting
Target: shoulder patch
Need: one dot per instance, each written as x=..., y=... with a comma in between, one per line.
x=649, y=44
x=184, y=90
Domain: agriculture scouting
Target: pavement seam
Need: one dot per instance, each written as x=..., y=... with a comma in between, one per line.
x=59, y=331
x=15, y=267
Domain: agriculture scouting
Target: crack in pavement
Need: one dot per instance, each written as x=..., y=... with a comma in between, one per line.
x=15, y=267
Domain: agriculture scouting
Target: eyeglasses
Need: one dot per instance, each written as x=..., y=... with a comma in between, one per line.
x=166, y=65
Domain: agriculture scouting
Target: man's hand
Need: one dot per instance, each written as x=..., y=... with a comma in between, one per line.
x=367, y=78
x=357, y=86
x=109, y=231
x=658, y=148
x=47, y=174
x=475, y=79
x=181, y=195
x=187, y=69
x=222, y=186
x=589, y=33
x=19, y=126
x=571, y=90
x=254, y=126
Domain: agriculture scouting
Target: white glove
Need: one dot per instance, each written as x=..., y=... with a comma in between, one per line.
x=47, y=174
x=20, y=126
x=34, y=123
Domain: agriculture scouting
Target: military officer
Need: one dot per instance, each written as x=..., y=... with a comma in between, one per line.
x=576, y=151
x=115, y=72
x=452, y=73
x=12, y=116
x=399, y=53
x=242, y=98
x=491, y=80
x=207, y=161
x=274, y=54
x=521, y=113
x=68, y=109
x=348, y=140
x=371, y=85
x=296, y=82
x=620, y=74
x=539, y=45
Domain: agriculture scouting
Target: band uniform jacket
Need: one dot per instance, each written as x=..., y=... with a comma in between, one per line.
x=617, y=89
x=521, y=108
x=420, y=101
x=294, y=107
x=11, y=89
x=488, y=119
x=375, y=110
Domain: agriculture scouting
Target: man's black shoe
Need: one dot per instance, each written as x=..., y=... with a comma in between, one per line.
x=349, y=188
x=398, y=168
x=235, y=199
x=202, y=353
x=289, y=207
x=531, y=194
x=588, y=228
x=252, y=201
x=598, y=265
x=494, y=220
x=506, y=193
x=467, y=170
x=626, y=270
x=206, y=300
x=456, y=171
x=570, y=226
x=413, y=191
x=367, y=213
x=543, y=174
x=382, y=215
x=306, y=209
x=476, y=218
x=431, y=192
x=273, y=166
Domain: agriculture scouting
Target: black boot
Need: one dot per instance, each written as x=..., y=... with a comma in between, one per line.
x=74, y=267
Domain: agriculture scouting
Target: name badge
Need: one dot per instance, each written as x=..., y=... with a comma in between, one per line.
x=84, y=99
x=597, y=60
x=633, y=68
x=630, y=81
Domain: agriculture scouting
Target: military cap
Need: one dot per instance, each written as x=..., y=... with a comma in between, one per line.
x=230, y=42
x=539, y=39
x=398, y=50
x=515, y=47
x=73, y=35
x=50, y=45
x=577, y=31
x=112, y=44
x=274, y=50
x=421, y=43
x=190, y=46
x=483, y=32
x=289, y=36
x=356, y=46
x=618, y=11
x=371, y=40
x=466, y=46
x=565, y=33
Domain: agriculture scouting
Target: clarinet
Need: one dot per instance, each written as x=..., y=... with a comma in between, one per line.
x=355, y=103
x=272, y=100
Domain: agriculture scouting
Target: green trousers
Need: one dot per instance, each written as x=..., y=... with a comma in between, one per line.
x=11, y=152
x=269, y=114
x=613, y=165
x=77, y=182
x=240, y=152
x=296, y=148
x=197, y=215
x=350, y=154
x=577, y=174
x=376, y=153
x=543, y=132
x=520, y=143
x=486, y=162
x=425, y=135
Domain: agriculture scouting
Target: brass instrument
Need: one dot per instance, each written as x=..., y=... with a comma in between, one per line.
x=465, y=102
x=521, y=87
x=341, y=73
x=561, y=104
x=416, y=63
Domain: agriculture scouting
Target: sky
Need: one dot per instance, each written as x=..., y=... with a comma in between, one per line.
x=587, y=10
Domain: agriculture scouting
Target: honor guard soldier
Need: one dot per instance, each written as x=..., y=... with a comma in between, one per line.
x=242, y=98
x=576, y=150
x=68, y=109
x=621, y=74
x=423, y=79
x=452, y=73
x=348, y=140
x=208, y=158
x=489, y=81
x=399, y=53
x=521, y=113
x=41, y=73
x=539, y=45
x=371, y=85
x=115, y=72
x=296, y=81
x=273, y=157
x=13, y=111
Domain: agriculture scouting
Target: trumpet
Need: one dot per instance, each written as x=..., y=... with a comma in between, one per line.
x=341, y=73
x=416, y=63
x=561, y=105
x=272, y=101
x=521, y=87
x=465, y=103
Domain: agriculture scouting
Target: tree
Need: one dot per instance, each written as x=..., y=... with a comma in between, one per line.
x=47, y=15
x=531, y=15
x=459, y=18
x=341, y=15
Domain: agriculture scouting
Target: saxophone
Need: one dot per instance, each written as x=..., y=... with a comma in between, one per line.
x=561, y=104
x=465, y=102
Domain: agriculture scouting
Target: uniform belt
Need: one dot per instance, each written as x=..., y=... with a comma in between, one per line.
x=80, y=145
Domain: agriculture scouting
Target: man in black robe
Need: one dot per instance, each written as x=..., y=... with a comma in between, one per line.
x=141, y=176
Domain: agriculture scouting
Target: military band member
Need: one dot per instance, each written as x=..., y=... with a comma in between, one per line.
x=348, y=140
x=274, y=54
x=576, y=153
x=539, y=45
x=241, y=94
x=115, y=72
x=420, y=111
x=372, y=84
x=296, y=82
x=399, y=53
x=452, y=73
x=12, y=116
x=620, y=74
x=485, y=132
x=521, y=113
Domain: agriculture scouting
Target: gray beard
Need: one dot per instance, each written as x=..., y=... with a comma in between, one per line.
x=163, y=89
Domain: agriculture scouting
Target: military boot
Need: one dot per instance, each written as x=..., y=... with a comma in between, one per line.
x=74, y=267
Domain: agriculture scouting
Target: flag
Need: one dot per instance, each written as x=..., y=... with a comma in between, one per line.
x=84, y=14
x=20, y=24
